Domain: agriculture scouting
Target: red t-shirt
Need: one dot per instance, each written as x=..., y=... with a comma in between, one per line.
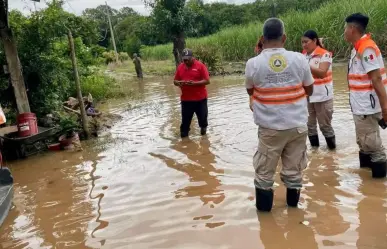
x=197, y=72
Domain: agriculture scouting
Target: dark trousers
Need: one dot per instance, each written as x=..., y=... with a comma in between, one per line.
x=188, y=108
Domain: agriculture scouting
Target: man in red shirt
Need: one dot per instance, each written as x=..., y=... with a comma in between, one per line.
x=192, y=77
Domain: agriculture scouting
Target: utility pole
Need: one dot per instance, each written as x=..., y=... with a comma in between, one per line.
x=274, y=9
x=14, y=65
x=112, y=33
x=78, y=85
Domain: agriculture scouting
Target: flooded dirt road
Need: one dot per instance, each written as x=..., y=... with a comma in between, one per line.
x=142, y=187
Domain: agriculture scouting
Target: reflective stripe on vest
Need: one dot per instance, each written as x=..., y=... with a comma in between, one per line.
x=363, y=97
x=324, y=81
x=319, y=52
x=363, y=82
x=279, y=95
x=323, y=87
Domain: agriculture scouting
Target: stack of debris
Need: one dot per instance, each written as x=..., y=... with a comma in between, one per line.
x=97, y=120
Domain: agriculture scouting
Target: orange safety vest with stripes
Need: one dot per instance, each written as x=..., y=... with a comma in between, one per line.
x=323, y=88
x=363, y=98
x=279, y=98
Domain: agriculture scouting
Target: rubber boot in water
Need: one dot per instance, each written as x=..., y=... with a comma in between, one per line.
x=331, y=142
x=365, y=160
x=203, y=131
x=183, y=134
x=314, y=142
x=264, y=199
x=292, y=197
x=379, y=169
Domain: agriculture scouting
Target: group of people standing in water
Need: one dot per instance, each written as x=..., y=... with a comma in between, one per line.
x=290, y=93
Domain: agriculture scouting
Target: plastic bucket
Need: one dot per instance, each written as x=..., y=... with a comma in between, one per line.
x=27, y=124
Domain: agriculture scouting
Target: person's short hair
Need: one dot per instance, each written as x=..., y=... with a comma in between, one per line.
x=359, y=20
x=273, y=29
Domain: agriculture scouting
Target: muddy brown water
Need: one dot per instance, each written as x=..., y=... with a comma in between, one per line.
x=142, y=187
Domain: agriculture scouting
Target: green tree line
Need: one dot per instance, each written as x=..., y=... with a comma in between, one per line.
x=193, y=17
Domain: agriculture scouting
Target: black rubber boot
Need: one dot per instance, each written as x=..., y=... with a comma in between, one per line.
x=183, y=134
x=203, y=131
x=365, y=160
x=379, y=169
x=314, y=142
x=264, y=199
x=292, y=197
x=5, y=176
x=331, y=142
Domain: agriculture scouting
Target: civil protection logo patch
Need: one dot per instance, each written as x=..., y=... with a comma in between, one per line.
x=277, y=63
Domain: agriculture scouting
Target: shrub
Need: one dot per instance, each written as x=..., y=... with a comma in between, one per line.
x=99, y=86
x=208, y=55
x=123, y=56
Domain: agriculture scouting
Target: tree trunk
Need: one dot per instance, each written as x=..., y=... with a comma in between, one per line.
x=178, y=47
x=15, y=70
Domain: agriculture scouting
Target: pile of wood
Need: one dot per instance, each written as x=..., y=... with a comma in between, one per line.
x=97, y=121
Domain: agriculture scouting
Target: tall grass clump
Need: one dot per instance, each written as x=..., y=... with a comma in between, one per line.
x=100, y=86
x=237, y=43
x=158, y=53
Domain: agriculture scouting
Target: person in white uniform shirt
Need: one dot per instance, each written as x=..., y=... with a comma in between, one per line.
x=279, y=82
x=320, y=104
x=367, y=90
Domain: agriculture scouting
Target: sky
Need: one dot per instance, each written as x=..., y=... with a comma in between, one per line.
x=77, y=6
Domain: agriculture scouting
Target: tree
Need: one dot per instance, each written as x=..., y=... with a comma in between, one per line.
x=44, y=53
x=12, y=57
x=172, y=18
x=99, y=15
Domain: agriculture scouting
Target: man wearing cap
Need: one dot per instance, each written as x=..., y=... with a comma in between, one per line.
x=367, y=81
x=192, y=77
x=279, y=82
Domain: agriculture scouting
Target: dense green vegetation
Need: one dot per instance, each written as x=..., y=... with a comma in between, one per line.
x=192, y=17
x=237, y=43
x=44, y=54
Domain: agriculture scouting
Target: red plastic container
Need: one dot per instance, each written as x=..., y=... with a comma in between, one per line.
x=27, y=124
x=54, y=147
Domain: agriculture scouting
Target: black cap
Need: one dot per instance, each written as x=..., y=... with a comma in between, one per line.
x=359, y=19
x=187, y=54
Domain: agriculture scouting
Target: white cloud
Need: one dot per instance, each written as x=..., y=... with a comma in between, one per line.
x=77, y=6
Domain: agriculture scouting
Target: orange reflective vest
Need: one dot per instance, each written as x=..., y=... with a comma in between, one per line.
x=323, y=88
x=363, y=98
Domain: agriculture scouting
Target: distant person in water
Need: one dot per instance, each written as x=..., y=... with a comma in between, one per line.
x=137, y=65
x=192, y=77
x=320, y=103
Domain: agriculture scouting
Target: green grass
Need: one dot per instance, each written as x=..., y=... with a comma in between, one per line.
x=237, y=43
x=149, y=67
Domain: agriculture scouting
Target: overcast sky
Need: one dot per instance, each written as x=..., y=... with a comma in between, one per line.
x=77, y=6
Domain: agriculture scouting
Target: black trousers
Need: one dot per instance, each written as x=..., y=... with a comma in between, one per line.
x=188, y=108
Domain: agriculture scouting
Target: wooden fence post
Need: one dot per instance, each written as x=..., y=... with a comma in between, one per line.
x=78, y=85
